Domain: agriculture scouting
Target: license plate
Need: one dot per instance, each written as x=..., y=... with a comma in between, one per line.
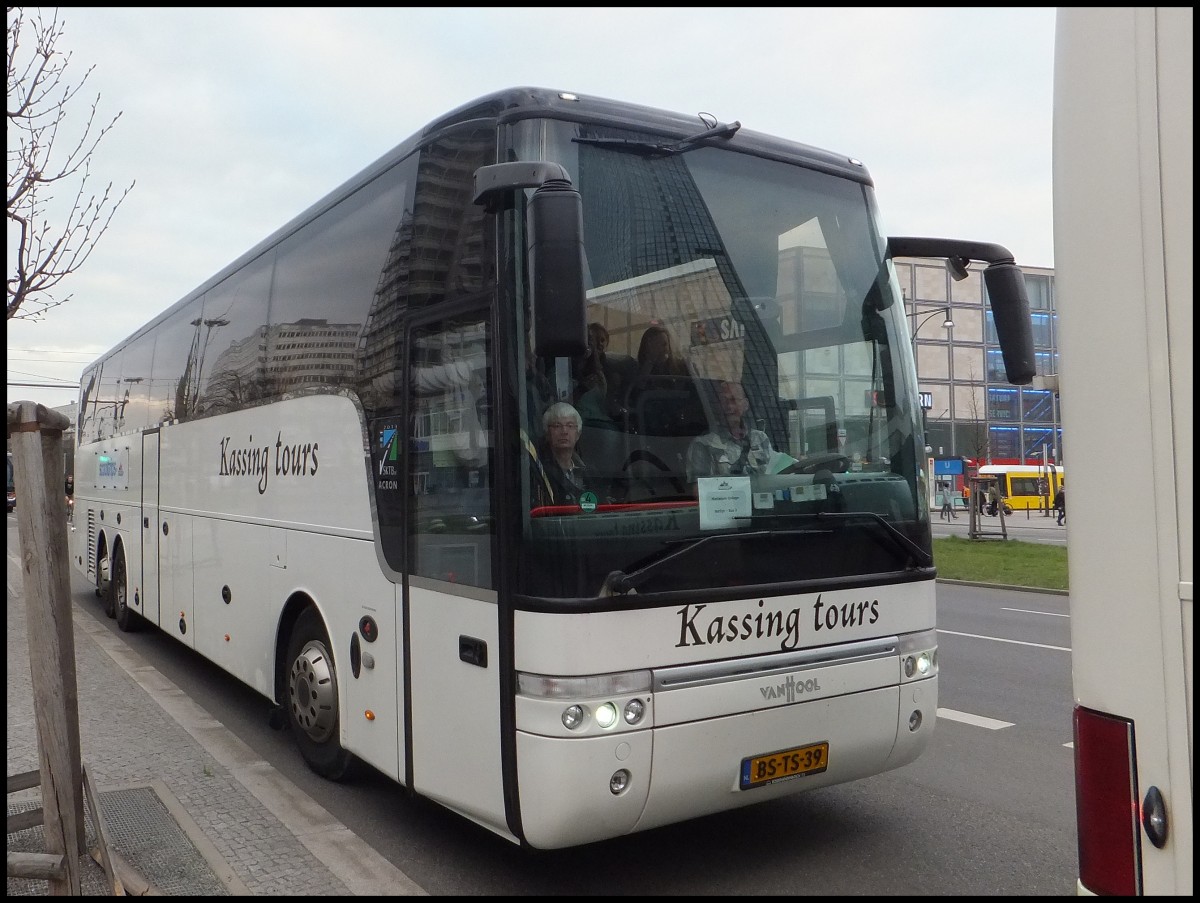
x=758, y=771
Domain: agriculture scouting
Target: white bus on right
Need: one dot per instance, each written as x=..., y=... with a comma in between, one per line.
x=1123, y=270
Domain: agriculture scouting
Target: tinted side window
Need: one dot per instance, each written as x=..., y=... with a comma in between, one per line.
x=136, y=370
x=325, y=282
x=173, y=386
x=441, y=252
x=230, y=365
x=110, y=411
x=450, y=451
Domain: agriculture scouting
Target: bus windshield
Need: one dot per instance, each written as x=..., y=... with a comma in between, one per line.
x=746, y=405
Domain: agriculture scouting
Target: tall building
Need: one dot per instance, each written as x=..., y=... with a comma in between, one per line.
x=971, y=409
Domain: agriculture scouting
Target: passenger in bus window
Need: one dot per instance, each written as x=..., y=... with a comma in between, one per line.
x=734, y=447
x=599, y=384
x=656, y=354
x=563, y=477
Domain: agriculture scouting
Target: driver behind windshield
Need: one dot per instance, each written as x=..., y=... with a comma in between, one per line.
x=734, y=447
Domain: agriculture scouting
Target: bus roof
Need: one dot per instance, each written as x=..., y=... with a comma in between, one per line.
x=513, y=105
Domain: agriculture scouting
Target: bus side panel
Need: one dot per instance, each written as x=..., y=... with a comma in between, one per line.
x=272, y=503
x=107, y=508
x=175, y=578
x=1126, y=307
x=342, y=576
x=235, y=612
x=456, y=704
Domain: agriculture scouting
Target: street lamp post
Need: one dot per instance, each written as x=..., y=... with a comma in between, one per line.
x=948, y=325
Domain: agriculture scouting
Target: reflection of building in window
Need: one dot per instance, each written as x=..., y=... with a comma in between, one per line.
x=311, y=352
x=283, y=357
x=437, y=253
x=448, y=369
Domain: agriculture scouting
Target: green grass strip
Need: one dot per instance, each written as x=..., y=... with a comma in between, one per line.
x=1007, y=562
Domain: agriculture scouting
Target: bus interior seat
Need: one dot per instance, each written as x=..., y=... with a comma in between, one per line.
x=665, y=414
x=604, y=450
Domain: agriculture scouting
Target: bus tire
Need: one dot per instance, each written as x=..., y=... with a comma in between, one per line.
x=118, y=591
x=104, y=582
x=312, y=698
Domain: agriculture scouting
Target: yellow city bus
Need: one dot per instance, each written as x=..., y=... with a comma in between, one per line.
x=1026, y=486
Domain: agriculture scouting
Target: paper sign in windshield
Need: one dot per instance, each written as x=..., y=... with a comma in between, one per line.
x=722, y=501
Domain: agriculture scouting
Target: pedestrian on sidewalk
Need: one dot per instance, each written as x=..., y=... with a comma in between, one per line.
x=1060, y=503
x=947, y=511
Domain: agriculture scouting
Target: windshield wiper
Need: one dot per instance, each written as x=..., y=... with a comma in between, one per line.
x=917, y=555
x=619, y=583
x=652, y=149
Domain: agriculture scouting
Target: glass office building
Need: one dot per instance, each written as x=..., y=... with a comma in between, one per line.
x=972, y=411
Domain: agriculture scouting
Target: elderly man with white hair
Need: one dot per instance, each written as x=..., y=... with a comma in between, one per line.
x=563, y=476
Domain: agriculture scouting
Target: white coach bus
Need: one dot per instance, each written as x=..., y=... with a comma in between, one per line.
x=1123, y=259
x=325, y=470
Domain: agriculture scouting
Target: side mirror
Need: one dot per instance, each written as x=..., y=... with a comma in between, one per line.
x=556, y=262
x=1010, y=312
x=556, y=271
x=1006, y=293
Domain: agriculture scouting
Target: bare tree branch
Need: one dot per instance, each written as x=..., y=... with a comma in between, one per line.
x=980, y=441
x=45, y=245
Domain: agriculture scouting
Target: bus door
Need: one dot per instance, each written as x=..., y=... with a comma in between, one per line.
x=148, y=585
x=173, y=534
x=453, y=616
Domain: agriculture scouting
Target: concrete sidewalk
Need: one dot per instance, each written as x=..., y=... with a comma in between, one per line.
x=190, y=807
x=1033, y=519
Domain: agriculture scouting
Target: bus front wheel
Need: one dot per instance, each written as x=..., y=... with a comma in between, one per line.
x=312, y=698
x=104, y=582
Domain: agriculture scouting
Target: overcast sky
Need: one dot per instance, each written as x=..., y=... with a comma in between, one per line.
x=235, y=120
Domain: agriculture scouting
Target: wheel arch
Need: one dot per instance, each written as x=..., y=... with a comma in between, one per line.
x=101, y=546
x=297, y=603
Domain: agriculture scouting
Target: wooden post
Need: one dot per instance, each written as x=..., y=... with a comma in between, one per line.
x=36, y=434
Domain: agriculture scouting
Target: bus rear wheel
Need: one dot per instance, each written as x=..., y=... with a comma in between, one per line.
x=312, y=698
x=118, y=596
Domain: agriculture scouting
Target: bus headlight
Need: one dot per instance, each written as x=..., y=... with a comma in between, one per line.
x=606, y=715
x=918, y=655
x=573, y=716
x=634, y=710
x=586, y=705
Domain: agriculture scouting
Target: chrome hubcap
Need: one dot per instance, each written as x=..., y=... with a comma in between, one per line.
x=312, y=692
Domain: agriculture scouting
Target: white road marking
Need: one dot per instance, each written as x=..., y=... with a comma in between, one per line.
x=976, y=636
x=1031, y=611
x=976, y=720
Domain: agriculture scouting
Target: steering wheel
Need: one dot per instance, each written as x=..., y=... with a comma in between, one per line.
x=831, y=461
